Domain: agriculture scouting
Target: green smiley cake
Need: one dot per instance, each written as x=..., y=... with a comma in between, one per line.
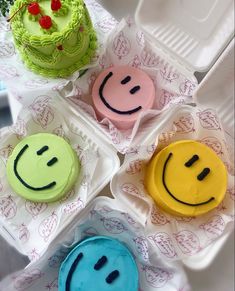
x=54, y=37
x=42, y=168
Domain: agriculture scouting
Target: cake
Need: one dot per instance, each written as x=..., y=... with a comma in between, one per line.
x=54, y=37
x=42, y=167
x=121, y=93
x=99, y=263
x=186, y=178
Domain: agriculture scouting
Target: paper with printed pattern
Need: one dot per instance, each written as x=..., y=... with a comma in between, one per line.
x=102, y=217
x=175, y=237
x=33, y=225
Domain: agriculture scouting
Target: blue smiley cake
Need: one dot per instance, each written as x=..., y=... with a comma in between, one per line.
x=99, y=263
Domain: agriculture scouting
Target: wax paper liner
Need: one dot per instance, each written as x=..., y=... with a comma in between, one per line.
x=102, y=217
x=177, y=237
x=20, y=81
x=32, y=225
x=127, y=45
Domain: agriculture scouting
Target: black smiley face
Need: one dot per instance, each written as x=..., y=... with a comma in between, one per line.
x=49, y=164
x=186, y=178
x=42, y=167
x=99, y=263
x=200, y=177
x=123, y=82
x=121, y=93
x=111, y=277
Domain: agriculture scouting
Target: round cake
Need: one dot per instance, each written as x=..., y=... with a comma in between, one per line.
x=42, y=167
x=121, y=94
x=186, y=178
x=54, y=37
x=99, y=263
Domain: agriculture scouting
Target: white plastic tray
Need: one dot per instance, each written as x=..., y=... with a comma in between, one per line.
x=217, y=89
x=194, y=33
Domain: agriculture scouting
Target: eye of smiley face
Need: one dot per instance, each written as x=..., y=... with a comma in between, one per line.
x=131, y=91
x=42, y=168
x=99, y=263
x=121, y=93
x=186, y=178
x=49, y=163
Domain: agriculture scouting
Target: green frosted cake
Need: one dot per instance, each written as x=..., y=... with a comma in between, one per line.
x=55, y=37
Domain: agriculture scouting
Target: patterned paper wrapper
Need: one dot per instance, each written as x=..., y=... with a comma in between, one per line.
x=102, y=217
x=177, y=237
x=127, y=45
x=23, y=84
x=33, y=225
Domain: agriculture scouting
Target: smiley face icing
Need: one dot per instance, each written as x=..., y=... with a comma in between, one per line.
x=42, y=168
x=99, y=263
x=121, y=94
x=186, y=178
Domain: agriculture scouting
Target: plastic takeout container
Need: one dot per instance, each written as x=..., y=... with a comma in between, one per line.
x=107, y=164
x=218, y=88
x=186, y=237
x=191, y=33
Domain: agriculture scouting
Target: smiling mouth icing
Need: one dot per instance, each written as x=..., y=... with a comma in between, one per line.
x=48, y=186
x=172, y=195
x=101, y=89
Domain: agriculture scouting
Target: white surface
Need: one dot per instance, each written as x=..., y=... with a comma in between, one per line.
x=3, y=99
x=220, y=275
x=193, y=32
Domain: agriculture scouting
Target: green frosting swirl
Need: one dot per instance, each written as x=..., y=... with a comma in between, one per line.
x=61, y=50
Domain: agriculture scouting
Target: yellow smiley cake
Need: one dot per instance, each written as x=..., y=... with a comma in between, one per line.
x=186, y=178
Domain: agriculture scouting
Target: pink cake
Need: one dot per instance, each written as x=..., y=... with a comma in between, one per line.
x=121, y=94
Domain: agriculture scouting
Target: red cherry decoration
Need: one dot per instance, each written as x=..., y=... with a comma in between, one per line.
x=60, y=47
x=45, y=22
x=55, y=5
x=34, y=8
